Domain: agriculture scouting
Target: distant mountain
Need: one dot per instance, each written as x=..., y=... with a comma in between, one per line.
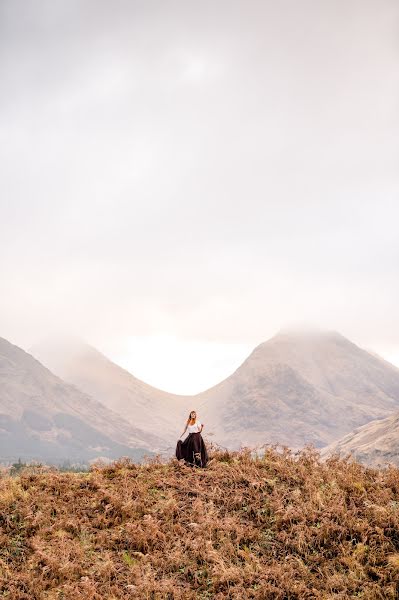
x=44, y=418
x=375, y=444
x=294, y=389
x=298, y=388
x=144, y=406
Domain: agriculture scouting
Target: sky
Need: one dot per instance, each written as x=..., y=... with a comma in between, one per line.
x=179, y=180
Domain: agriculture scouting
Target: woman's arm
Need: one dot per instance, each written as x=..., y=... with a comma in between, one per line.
x=185, y=429
x=202, y=427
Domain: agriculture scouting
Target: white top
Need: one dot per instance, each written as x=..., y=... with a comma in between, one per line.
x=196, y=428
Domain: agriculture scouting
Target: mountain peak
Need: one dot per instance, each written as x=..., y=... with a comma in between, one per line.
x=305, y=332
x=292, y=337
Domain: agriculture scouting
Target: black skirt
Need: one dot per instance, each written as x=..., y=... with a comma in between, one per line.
x=192, y=450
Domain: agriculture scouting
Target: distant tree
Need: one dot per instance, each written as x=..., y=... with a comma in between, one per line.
x=68, y=467
x=17, y=467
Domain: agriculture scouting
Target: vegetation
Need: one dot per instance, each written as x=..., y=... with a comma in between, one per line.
x=17, y=467
x=66, y=467
x=281, y=526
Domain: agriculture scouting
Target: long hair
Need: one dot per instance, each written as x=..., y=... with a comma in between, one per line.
x=191, y=421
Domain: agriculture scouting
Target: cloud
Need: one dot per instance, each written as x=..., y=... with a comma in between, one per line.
x=208, y=170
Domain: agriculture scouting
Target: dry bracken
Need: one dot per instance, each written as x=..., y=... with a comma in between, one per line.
x=280, y=525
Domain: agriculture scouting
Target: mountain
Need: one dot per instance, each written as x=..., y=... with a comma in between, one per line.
x=375, y=444
x=301, y=387
x=44, y=418
x=144, y=406
x=294, y=389
x=298, y=388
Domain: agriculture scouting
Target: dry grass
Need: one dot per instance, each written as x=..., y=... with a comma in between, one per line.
x=283, y=526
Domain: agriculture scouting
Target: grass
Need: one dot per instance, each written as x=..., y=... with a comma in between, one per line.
x=281, y=526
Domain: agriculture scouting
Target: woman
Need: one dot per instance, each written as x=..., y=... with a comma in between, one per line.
x=193, y=449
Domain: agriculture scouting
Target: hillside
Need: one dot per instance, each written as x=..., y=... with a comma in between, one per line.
x=375, y=444
x=43, y=418
x=294, y=389
x=279, y=527
x=142, y=405
x=300, y=388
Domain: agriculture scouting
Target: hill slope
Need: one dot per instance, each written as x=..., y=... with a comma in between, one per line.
x=144, y=406
x=293, y=389
x=42, y=417
x=298, y=388
x=272, y=528
x=376, y=443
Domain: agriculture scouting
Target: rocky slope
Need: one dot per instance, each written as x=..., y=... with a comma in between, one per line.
x=375, y=444
x=44, y=418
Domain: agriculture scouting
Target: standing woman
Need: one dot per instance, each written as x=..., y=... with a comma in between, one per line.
x=193, y=449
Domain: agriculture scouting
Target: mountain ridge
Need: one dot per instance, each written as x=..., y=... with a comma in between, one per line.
x=43, y=417
x=294, y=388
x=120, y=391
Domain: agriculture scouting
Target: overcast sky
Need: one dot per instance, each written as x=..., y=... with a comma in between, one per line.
x=181, y=179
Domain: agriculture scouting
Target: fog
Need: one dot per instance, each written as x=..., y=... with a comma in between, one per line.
x=205, y=172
